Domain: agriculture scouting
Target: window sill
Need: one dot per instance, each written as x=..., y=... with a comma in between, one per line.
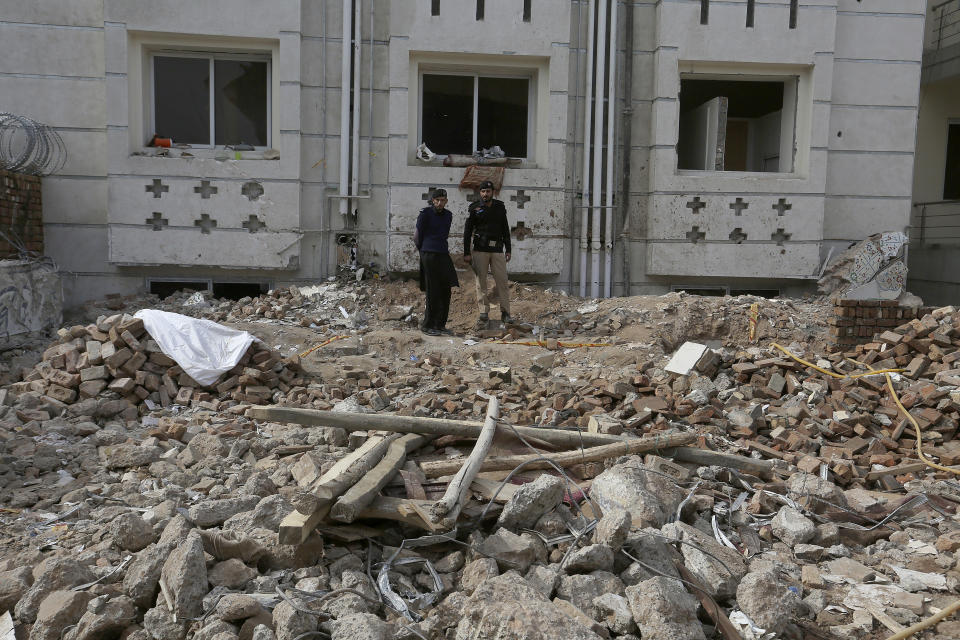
x=207, y=154
x=511, y=163
x=739, y=174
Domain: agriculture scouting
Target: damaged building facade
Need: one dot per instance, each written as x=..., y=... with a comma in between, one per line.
x=650, y=144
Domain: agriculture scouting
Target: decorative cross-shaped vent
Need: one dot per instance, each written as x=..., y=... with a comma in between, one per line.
x=205, y=190
x=521, y=199
x=695, y=234
x=782, y=207
x=157, y=188
x=158, y=222
x=738, y=206
x=520, y=232
x=780, y=237
x=738, y=236
x=426, y=196
x=695, y=205
x=206, y=223
x=254, y=224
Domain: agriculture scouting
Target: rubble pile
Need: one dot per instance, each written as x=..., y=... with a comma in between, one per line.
x=745, y=491
x=116, y=368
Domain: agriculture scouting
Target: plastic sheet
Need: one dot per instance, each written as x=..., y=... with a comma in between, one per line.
x=204, y=349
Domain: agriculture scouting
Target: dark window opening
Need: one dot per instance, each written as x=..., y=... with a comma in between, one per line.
x=434, y=7
x=480, y=8
x=951, y=175
x=454, y=123
x=704, y=11
x=181, y=99
x=237, y=290
x=701, y=290
x=183, y=88
x=166, y=288
x=760, y=293
x=750, y=9
x=793, y=14
x=734, y=126
x=526, y=10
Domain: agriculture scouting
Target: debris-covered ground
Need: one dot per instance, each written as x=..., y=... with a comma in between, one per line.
x=751, y=491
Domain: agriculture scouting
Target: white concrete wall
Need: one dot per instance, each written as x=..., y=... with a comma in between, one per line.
x=858, y=66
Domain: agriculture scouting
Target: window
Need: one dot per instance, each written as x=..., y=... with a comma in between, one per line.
x=462, y=113
x=951, y=176
x=211, y=100
x=736, y=125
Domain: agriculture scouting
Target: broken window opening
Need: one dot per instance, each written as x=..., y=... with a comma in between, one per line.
x=166, y=288
x=462, y=113
x=760, y=293
x=211, y=100
x=951, y=174
x=237, y=290
x=736, y=125
x=700, y=290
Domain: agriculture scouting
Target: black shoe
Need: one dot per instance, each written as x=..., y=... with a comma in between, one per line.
x=445, y=332
x=506, y=318
x=482, y=322
x=430, y=331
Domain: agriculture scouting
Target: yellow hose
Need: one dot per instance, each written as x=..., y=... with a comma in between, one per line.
x=322, y=344
x=839, y=376
x=565, y=345
x=932, y=620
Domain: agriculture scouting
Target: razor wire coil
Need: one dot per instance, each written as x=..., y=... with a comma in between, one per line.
x=30, y=147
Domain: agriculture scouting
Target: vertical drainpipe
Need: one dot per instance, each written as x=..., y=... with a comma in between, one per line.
x=588, y=114
x=572, y=220
x=324, y=203
x=597, y=208
x=626, y=141
x=611, y=120
x=355, y=137
x=347, y=13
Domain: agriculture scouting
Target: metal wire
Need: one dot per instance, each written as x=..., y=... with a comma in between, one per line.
x=30, y=147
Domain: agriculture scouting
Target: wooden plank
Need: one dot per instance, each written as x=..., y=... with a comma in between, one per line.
x=447, y=508
x=706, y=457
x=426, y=426
x=567, y=458
x=349, y=505
x=709, y=605
x=907, y=467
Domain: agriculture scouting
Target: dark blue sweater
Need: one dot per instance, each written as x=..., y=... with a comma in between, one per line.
x=433, y=229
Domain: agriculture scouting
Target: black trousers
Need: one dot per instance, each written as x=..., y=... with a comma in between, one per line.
x=437, y=277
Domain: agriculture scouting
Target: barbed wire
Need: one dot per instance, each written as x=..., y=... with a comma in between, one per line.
x=30, y=147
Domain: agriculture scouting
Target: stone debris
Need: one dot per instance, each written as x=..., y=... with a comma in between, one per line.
x=800, y=505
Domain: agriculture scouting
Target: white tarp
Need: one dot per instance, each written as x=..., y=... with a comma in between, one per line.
x=204, y=349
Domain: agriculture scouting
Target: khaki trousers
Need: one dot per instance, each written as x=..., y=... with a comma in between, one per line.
x=483, y=261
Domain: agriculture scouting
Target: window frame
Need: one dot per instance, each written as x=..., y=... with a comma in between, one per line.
x=530, y=76
x=212, y=57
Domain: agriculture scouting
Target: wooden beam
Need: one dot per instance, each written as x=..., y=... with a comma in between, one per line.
x=447, y=508
x=297, y=527
x=566, y=458
x=345, y=473
x=706, y=457
x=426, y=426
x=349, y=505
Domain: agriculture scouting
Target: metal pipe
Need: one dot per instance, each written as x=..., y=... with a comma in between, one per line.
x=355, y=136
x=608, y=199
x=626, y=139
x=588, y=114
x=572, y=221
x=344, y=168
x=324, y=203
x=596, y=212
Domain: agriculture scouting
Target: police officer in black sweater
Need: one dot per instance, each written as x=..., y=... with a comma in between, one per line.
x=486, y=247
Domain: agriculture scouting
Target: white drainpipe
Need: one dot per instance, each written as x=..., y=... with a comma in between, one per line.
x=355, y=141
x=588, y=108
x=611, y=102
x=345, y=107
x=598, y=152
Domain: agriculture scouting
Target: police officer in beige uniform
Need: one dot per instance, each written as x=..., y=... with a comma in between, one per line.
x=486, y=246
